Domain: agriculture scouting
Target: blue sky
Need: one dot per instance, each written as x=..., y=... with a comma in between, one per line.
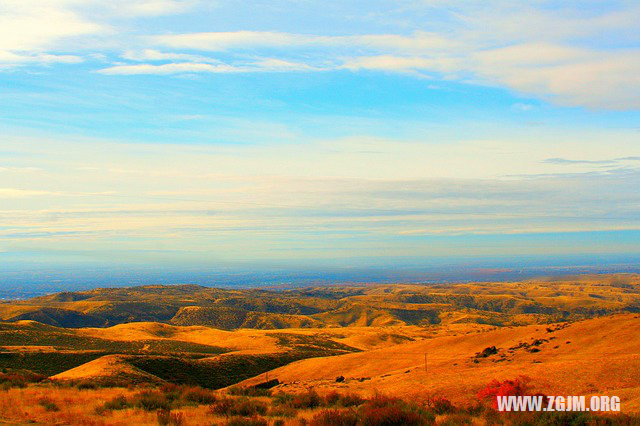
x=212, y=132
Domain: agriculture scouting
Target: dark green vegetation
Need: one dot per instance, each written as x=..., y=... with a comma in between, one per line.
x=229, y=369
x=36, y=334
x=484, y=303
x=54, y=350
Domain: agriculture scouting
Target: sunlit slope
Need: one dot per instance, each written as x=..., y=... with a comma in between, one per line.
x=597, y=356
x=504, y=303
x=109, y=367
x=257, y=341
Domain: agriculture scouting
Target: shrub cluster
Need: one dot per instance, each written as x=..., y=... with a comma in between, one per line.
x=343, y=400
x=238, y=407
x=19, y=379
x=246, y=421
x=166, y=398
x=311, y=399
x=248, y=391
x=377, y=411
x=48, y=404
x=167, y=418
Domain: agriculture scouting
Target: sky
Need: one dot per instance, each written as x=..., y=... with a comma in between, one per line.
x=186, y=132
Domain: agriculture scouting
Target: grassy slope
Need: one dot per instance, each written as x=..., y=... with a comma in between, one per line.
x=597, y=356
x=515, y=303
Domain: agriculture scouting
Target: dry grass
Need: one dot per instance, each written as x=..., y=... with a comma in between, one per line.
x=603, y=357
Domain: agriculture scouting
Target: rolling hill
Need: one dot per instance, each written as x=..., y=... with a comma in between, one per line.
x=515, y=303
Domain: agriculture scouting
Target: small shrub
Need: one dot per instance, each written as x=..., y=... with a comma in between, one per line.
x=198, y=395
x=117, y=403
x=382, y=411
x=167, y=418
x=308, y=399
x=282, y=398
x=282, y=411
x=151, y=401
x=332, y=398
x=19, y=379
x=440, y=405
x=456, y=420
x=48, y=404
x=222, y=407
x=87, y=385
x=244, y=421
x=334, y=418
x=238, y=407
x=351, y=400
x=344, y=400
x=247, y=407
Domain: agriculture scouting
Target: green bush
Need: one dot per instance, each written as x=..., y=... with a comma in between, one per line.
x=117, y=403
x=48, y=404
x=151, y=400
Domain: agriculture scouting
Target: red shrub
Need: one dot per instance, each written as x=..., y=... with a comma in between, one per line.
x=513, y=387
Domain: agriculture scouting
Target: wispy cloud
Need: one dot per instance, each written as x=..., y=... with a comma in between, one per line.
x=21, y=193
x=561, y=73
x=560, y=55
x=607, y=162
x=262, y=65
x=215, y=41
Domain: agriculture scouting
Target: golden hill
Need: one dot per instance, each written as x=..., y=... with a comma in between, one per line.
x=596, y=356
x=505, y=303
x=110, y=369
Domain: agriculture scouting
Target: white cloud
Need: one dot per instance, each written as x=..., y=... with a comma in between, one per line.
x=155, y=55
x=403, y=63
x=567, y=76
x=173, y=68
x=135, y=8
x=217, y=41
x=28, y=25
x=31, y=31
x=561, y=54
x=558, y=72
x=263, y=65
x=21, y=193
x=573, y=77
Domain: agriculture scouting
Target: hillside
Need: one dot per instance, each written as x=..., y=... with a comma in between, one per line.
x=127, y=353
x=595, y=356
x=516, y=303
